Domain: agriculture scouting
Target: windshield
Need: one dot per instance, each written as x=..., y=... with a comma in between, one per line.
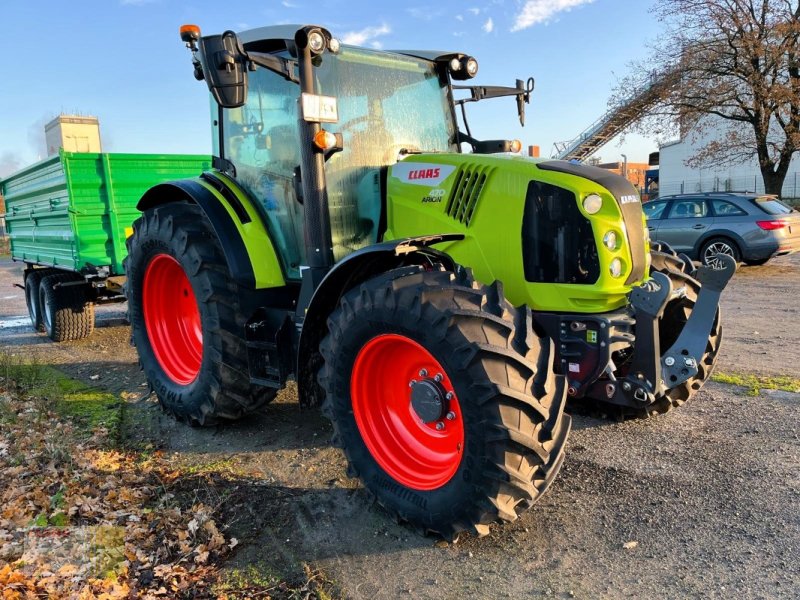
x=403, y=101
x=387, y=103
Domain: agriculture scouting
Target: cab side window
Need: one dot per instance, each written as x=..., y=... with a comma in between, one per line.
x=261, y=139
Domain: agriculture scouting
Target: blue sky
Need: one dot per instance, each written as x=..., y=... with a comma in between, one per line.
x=122, y=60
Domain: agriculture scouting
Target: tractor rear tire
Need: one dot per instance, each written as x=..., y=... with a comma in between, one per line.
x=444, y=399
x=33, y=278
x=186, y=324
x=67, y=311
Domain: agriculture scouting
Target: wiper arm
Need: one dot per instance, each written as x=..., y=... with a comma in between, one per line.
x=277, y=64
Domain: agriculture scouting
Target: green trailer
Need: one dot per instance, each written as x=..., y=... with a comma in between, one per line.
x=68, y=217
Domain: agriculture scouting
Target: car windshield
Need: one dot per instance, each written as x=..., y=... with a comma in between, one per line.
x=771, y=206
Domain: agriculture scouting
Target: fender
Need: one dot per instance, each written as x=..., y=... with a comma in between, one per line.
x=727, y=233
x=237, y=222
x=355, y=268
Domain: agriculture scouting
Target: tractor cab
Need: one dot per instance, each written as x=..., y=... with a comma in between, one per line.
x=383, y=106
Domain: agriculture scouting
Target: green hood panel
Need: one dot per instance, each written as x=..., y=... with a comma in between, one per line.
x=483, y=197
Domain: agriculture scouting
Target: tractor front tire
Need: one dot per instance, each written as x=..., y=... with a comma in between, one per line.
x=183, y=307
x=444, y=399
x=66, y=311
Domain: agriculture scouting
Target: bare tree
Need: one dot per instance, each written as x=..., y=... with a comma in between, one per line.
x=733, y=68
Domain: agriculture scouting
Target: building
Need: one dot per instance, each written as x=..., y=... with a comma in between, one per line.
x=676, y=177
x=73, y=133
x=634, y=171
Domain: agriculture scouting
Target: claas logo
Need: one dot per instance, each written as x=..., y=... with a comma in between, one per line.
x=424, y=173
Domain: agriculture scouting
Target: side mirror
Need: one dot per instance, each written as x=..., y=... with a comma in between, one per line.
x=523, y=97
x=224, y=65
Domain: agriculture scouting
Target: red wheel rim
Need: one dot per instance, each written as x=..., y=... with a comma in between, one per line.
x=172, y=319
x=414, y=453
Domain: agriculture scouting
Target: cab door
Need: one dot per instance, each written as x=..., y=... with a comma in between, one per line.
x=686, y=220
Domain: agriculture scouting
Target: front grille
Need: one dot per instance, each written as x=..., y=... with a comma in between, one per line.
x=557, y=240
x=466, y=193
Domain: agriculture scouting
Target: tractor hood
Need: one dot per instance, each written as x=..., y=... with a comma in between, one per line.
x=560, y=236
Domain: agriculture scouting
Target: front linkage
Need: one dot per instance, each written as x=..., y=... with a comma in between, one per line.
x=616, y=358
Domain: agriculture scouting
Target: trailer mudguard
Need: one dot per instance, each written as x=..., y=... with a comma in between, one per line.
x=349, y=272
x=238, y=224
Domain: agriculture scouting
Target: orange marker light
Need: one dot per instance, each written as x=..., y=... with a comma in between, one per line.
x=324, y=140
x=190, y=33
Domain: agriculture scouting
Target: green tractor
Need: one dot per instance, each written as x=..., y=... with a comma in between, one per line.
x=439, y=306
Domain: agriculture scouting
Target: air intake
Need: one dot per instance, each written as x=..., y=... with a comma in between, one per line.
x=470, y=180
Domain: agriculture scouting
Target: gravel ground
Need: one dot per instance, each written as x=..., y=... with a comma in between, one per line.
x=702, y=502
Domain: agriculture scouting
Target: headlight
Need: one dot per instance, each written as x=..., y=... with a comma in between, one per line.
x=615, y=267
x=592, y=203
x=316, y=42
x=610, y=240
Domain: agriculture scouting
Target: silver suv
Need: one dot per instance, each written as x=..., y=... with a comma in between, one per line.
x=749, y=227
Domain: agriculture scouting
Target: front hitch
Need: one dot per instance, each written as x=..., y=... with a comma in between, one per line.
x=588, y=345
x=653, y=373
x=679, y=363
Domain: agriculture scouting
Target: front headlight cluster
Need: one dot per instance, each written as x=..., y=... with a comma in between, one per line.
x=615, y=267
x=610, y=240
x=592, y=204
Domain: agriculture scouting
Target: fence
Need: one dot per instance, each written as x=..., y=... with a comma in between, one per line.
x=750, y=183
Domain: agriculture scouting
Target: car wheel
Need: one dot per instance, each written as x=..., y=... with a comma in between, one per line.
x=715, y=246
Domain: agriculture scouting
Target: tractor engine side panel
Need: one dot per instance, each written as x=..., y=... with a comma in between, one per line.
x=522, y=225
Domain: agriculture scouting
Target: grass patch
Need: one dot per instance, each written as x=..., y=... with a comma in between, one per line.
x=755, y=383
x=89, y=407
x=261, y=581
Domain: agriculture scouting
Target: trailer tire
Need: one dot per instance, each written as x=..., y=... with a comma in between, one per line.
x=192, y=350
x=33, y=277
x=498, y=440
x=67, y=312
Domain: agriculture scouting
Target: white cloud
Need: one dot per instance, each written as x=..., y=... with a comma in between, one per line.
x=541, y=11
x=368, y=34
x=136, y=2
x=474, y=11
x=459, y=17
x=489, y=25
x=287, y=4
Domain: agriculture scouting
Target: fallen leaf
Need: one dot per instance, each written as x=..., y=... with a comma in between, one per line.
x=630, y=545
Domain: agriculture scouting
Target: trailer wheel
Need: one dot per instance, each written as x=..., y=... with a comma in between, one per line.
x=444, y=399
x=33, y=278
x=67, y=311
x=183, y=307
